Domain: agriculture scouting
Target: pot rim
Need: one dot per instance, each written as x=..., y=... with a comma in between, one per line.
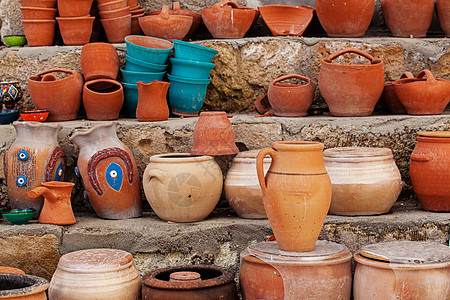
x=195, y=46
x=397, y=266
x=302, y=145
x=357, y=152
x=115, y=19
x=38, y=8
x=40, y=286
x=176, y=158
x=57, y=184
x=433, y=134
x=114, y=82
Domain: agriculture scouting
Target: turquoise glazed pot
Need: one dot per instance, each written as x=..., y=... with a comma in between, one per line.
x=19, y=216
x=9, y=116
x=190, y=68
x=146, y=77
x=134, y=64
x=131, y=96
x=185, y=50
x=186, y=95
x=148, y=48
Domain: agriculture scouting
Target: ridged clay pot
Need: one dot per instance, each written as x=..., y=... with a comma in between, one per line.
x=351, y=90
x=38, y=13
x=112, y=5
x=117, y=29
x=135, y=27
x=99, y=60
x=296, y=193
x=286, y=19
x=75, y=30
x=38, y=3
x=443, y=12
x=74, y=8
x=39, y=32
x=152, y=102
x=103, y=99
x=345, y=18
x=390, y=98
x=115, y=13
x=22, y=287
x=61, y=97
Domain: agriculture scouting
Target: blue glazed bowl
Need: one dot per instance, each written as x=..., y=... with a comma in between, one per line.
x=134, y=64
x=19, y=216
x=135, y=76
x=9, y=116
x=186, y=95
x=190, y=68
x=148, y=48
x=131, y=96
x=185, y=50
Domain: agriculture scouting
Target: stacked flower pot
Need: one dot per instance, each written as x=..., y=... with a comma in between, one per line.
x=75, y=22
x=39, y=21
x=116, y=19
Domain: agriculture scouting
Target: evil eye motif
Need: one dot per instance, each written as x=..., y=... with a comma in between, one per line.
x=114, y=176
x=21, y=180
x=23, y=155
x=77, y=172
x=85, y=196
x=59, y=172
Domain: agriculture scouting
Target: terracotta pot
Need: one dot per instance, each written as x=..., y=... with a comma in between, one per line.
x=344, y=18
x=74, y=8
x=296, y=193
x=109, y=172
x=351, y=90
x=228, y=20
x=365, y=181
x=262, y=105
x=39, y=32
x=402, y=270
x=38, y=3
x=33, y=157
x=57, y=208
x=200, y=282
x=423, y=96
x=61, y=97
x=290, y=100
x=37, y=13
x=75, y=30
x=408, y=18
x=286, y=19
x=23, y=287
x=103, y=99
x=132, y=3
x=213, y=135
x=179, y=190
x=135, y=27
x=96, y=274
x=268, y=273
x=4, y=269
x=117, y=29
x=112, y=5
x=428, y=169
x=137, y=11
x=115, y=13
x=443, y=12
x=241, y=186
x=390, y=98
x=152, y=103
x=99, y=60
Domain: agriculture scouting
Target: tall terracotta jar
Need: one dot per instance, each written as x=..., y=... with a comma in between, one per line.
x=296, y=193
x=345, y=18
x=109, y=172
x=33, y=157
x=429, y=170
x=22, y=287
x=152, y=102
x=443, y=12
x=99, y=60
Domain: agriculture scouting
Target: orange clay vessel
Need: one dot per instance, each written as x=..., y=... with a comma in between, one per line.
x=390, y=98
x=152, y=103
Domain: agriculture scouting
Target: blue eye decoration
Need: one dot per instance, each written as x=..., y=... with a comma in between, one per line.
x=77, y=172
x=114, y=176
x=21, y=181
x=23, y=155
x=59, y=172
x=85, y=195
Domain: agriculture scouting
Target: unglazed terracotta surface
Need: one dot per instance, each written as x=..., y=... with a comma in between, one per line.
x=443, y=12
x=103, y=99
x=152, y=102
x=286, y=19
x=75, y=30
x=390, y=98
x=99, y=60
x=39, y=32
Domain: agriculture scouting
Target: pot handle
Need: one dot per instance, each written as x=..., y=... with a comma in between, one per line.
x=260, y=166
x=303, y=78
x=56, y=70
x=219, y=5
x=161, y=175
x=407, y=75
x=176, y=6
x=164, y=12
x=351, y=50
x=428, y=74
x=420, y=157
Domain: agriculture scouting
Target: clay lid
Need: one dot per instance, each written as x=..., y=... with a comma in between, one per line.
x=95, y=259
x=407, y=252
x=435, y=134
x=352, y=152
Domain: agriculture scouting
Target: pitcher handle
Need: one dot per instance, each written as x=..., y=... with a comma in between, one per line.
x=260, y=166
x=176, y=6
x=161, y=175
x=297, y=76
x=351, y=50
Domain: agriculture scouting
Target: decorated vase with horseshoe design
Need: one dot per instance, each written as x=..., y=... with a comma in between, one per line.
x=109, y=172
x=33, y=157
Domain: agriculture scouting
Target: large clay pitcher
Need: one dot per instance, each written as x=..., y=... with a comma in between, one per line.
x=152, y=103
x=296, y=193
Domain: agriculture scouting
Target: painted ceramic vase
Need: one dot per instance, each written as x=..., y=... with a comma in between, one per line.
x=33, y=157
x=181, y=187
x=10, y=94
x=22, y=287
x=152, y=102
x=429, y=170
x=109, y=172
x=390, y=98
x=443, y=12
x=296, y=193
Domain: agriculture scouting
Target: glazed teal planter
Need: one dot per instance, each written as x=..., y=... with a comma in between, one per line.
x=135, y=76
x=186, y=50
x=190, y=68
x=19, y=216
x=187, y=95
x=134, y=64
x=131, y=96
x=148, y=49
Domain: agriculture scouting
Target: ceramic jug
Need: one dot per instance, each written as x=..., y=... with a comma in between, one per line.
x=296, y=192
x=33, y=157
x=109, y=172
x=152, y=103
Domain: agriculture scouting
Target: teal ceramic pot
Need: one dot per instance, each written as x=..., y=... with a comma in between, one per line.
x=146, y=77
x=8, y=116
x=134, y=64
x=148, y=48
x=131, y=96
x=190, y=68
x=186, y=50
x=19, y=216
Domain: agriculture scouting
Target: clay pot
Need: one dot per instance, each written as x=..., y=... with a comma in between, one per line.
x=96, y=274
x=103, y=99
x=365, y=181
x=37, y=13
x=152, y=103
x=179, y=190
x=109, y=172
x=390, y=98
x=115, y=13
x=39, y=3
x=428, y=169
x=290, y=100
x=74, y=8
x=112, y=5
x=351, y=90
x=135, y=27
x=296, y=193
x=99, y=60
x=423, y=96
x=61, y=97
x=33, y=157
x=213, y=135
x=117, y=29
x=443, y=12
x=408, y=18
x=241, y=186
x=268, y=273
x=344, y=18
x=4, y=269
x=286, y=19
x=21, y=286
x=402, y=270
x=39, y=32
x=75, y=30
x=228, y=20
x=57, y=208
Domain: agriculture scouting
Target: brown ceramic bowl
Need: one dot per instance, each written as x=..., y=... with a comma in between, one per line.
x=115, y=13
x=112, y=5
x=38, y=13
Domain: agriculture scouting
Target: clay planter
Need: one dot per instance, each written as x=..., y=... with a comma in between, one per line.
x=74, y=8
x=103, y=99
x=187, y=95
x=37, y=13
x=443, y=12
x=75, y=30
x=23, y=287
x=135, y=27
x=290, y=100
x=285, y=19
x=213, y=135
x=269, y=273
x=148, y=49
x=408, y=18
x=402, y=270
x=4, y=269
x=61, y=97
x=112, y=5
x=296, y=193
x=109, y=172
x=39, y=32
x=96, y=274
x=365, y=181
x=152, y=103
x=344, y=18
x=99, y=60
x=390, y=98
x=179, y=190
x=428, y=168
x=39, y=3
x=351, y=90
x=115, y=13
x=423, y=96
x=117, y=29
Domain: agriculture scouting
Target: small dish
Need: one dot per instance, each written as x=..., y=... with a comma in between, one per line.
x=39, y=115
x=15, y=40
x=9, y=116
x=19, y=216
